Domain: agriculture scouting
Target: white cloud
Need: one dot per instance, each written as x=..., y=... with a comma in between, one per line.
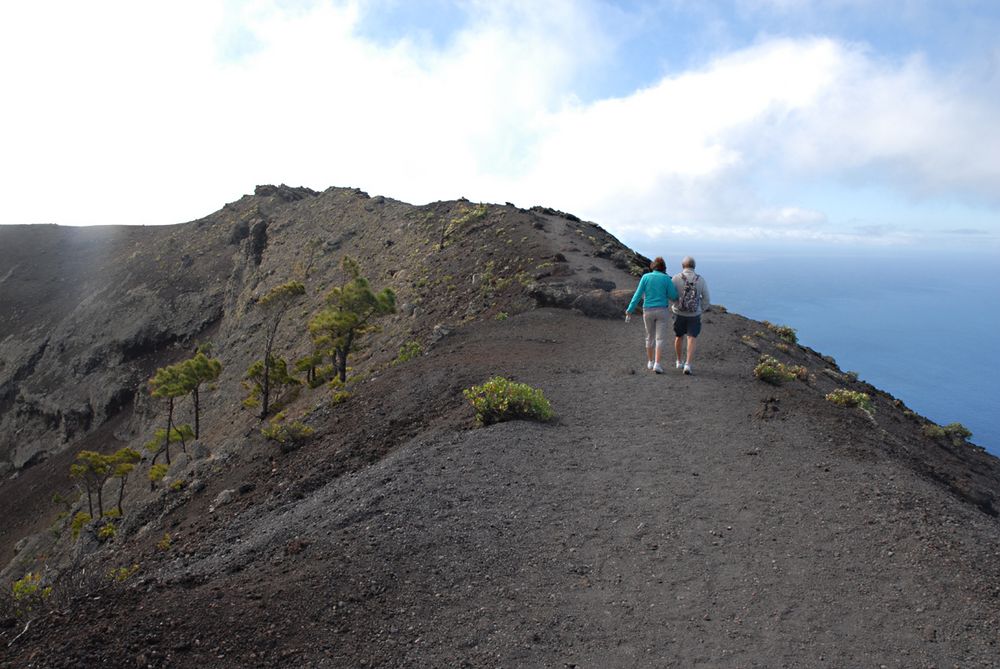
x=126, y=112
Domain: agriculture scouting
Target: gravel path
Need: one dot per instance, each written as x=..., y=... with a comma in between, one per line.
x=662, y=521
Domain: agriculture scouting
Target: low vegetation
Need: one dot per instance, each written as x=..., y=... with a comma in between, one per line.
x=466, y=215
x=851, y=398
x=500, y=399
x=784, y=332
x=408, y=351
x=770, y=370
x=956, y=432
x=288, y=436
x=29, y=593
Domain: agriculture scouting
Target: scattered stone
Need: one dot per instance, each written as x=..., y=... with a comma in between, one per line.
x=223, y=498
x=602, y=284
x=440, y=332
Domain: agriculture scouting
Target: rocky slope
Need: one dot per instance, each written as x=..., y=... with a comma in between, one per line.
x=661, y=521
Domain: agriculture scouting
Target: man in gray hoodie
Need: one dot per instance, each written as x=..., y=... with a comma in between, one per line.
x=692, y=300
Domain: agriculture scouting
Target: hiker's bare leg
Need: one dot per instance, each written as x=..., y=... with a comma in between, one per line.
x=691, y=346
x=658, y=347
x=677, y=346
x=649, y=353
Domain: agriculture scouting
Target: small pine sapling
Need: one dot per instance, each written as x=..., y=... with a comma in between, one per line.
x=169, y=383
x=199, y=370
x=276, y=303
x=124, y=461
x=348, y=315
x=273, y=377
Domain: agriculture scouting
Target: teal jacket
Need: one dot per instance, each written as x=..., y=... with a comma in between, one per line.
x=655, y=289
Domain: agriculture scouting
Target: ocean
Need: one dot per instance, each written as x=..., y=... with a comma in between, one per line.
x=920, y=326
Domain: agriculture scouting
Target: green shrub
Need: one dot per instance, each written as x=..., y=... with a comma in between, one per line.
x=156, y=474
x=851, y=398
x=408, y=351
x=289, y=436
x=107, y=531
x=957, y=432
x=770, y=370
x=501, y=399
x=29, y=593
x=783, y=331
x=80, y=520
x=165, y=543
x=501, y=316
x=122, y=574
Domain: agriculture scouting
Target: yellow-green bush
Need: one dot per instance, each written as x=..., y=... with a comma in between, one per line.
x=287, y=435
x=408, y=351
x=851, y=398
x=783, y=331
x=122, y=574
x=500, y=399
x=165, y=543
x=79, y=521
x=770, y=370
x=29, y=592
x=957, y=432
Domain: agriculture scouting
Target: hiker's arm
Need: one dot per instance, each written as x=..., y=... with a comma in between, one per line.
x=706, y=301
x=672, y=293
x=640, y=289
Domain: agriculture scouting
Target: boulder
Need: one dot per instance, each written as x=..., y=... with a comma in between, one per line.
x=603, y=303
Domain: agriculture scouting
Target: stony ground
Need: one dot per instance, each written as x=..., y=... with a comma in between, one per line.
x=661, y=521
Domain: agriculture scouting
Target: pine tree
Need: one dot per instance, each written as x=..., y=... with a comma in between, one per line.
x=123, y=462
x=94, y=470
x=277, y=302
x=277, y=378
x=169, y=383
x=348, y=315
x=196, y=371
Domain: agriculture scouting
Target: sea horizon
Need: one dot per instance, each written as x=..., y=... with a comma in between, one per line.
x=914, y=323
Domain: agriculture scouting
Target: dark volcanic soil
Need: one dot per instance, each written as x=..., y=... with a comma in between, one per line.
x=661, y=521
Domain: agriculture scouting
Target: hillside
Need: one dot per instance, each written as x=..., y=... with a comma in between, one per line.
x=712, y=520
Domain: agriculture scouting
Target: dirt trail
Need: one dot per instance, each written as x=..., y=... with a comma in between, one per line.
x=661, y=522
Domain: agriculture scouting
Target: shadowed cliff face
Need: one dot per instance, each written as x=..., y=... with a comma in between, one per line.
x=660, y=520
x=88, y=309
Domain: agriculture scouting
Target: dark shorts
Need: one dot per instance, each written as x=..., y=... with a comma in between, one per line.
x=687, y=325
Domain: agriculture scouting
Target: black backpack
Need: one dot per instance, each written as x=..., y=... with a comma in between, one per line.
x=690, y=301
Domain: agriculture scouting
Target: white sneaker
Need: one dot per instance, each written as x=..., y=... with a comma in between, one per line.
x=687, y=369
x=678, y=364
x=649, y=364
x=657, y=368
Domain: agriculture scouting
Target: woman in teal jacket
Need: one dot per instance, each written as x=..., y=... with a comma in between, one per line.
x=656, y=290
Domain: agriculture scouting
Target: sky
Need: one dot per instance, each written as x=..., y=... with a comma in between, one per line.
x=845, y=123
